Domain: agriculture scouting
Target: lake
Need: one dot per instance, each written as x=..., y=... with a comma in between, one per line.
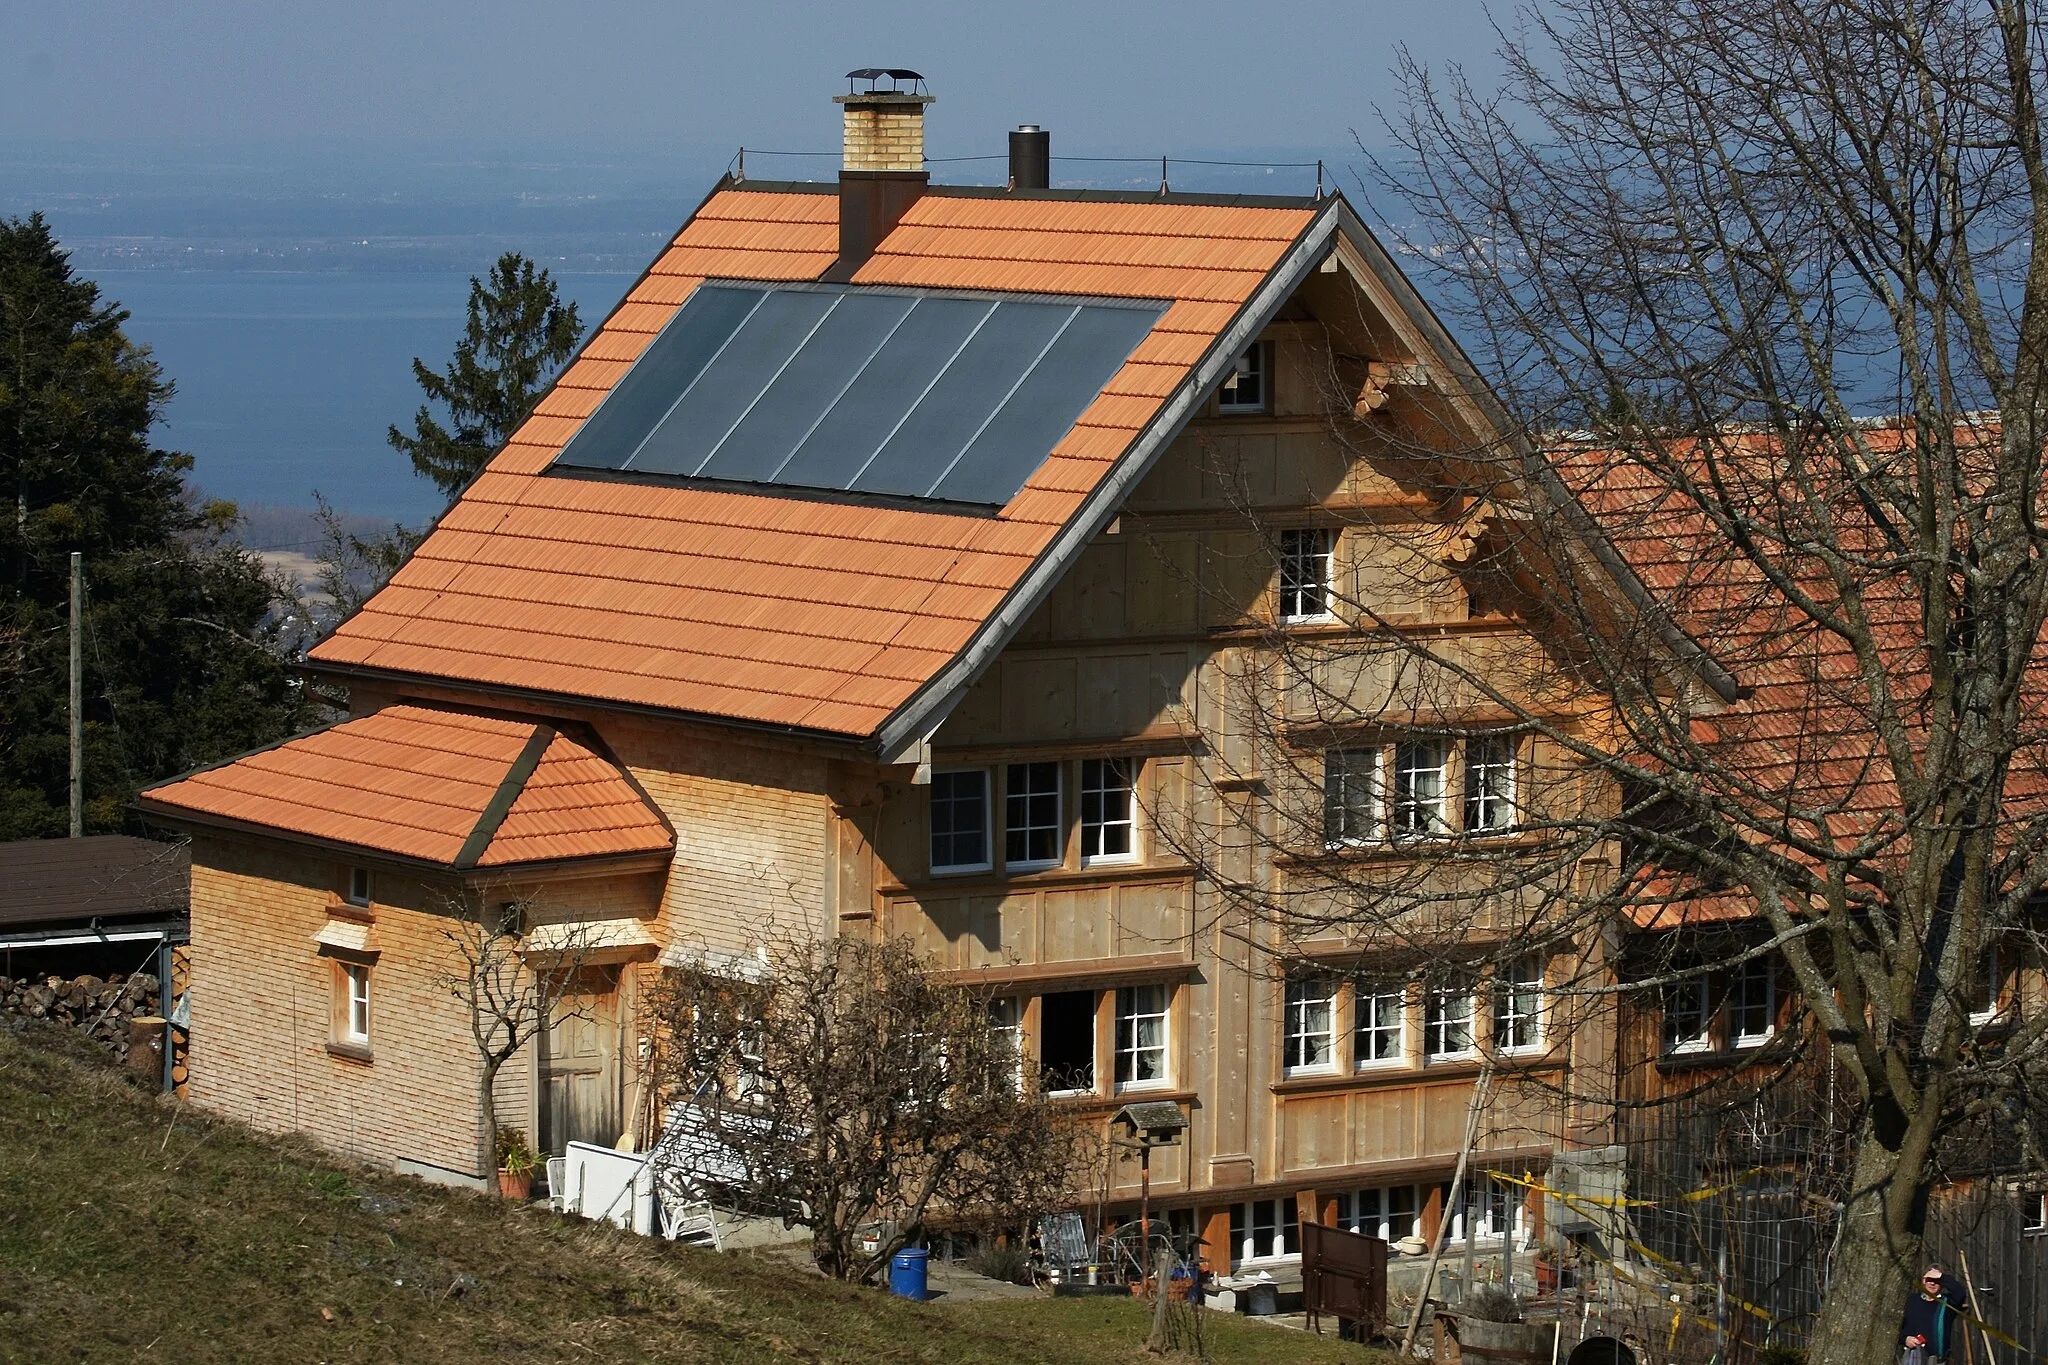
x=286, y=381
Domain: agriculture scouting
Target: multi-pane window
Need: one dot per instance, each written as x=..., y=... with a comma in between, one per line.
x=1006, y=1027
x=1141, y=1036
x=1753, y=1003
x=1688, y=1015
x=356, y=1020
x=1244, y=388
x=1066, y=1042
x=1265, y=1228
x=1518, y=1004
x=1311, y=1037
x=1351, y=796
x=1031, y=814
x=1447, y=1019
x=1389, y=1214
x=1307, y=578
x=1380, y=1013
x=959, y=802
x=1108, y=809
x=1489, y=784
x=1418, y=805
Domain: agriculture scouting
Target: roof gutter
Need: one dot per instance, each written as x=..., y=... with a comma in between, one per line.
x=904, y=733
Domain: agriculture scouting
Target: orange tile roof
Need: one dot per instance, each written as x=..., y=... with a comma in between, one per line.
x=775, y=610
x=432, y=784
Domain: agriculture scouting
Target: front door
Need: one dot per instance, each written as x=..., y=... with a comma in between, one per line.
x=579, y=1068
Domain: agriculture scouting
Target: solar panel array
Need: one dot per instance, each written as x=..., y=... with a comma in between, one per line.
x=911, y=393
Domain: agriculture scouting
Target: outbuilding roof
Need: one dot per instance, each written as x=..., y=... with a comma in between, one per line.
x=809, y=614
x=104, y=877
x=460, y=789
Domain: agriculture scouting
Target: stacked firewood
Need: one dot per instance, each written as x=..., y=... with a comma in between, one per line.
x=103, y=1008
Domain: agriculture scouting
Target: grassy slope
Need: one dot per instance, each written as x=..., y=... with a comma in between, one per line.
x=134, y=1229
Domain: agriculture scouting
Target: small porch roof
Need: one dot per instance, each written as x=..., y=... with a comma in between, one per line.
x=465, y=790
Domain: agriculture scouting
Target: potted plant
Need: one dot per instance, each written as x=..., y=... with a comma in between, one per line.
x=1546, y=1269
x=516, y=1164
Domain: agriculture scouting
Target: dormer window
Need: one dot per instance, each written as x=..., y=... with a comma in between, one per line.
x=1244, y=387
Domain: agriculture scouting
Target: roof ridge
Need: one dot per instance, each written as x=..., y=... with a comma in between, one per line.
x=509, y=788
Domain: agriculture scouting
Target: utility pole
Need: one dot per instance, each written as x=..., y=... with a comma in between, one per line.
x=77, y=696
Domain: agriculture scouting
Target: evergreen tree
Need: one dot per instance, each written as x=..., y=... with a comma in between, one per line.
x=181, y=661
x=519, y=334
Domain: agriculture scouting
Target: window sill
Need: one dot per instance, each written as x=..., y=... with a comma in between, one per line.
x=1140, y=1088
x=350, y=1052
x=964, y=870
x=1134, y=870
x=1084, y=1100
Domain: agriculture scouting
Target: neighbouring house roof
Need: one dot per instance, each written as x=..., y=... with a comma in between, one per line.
x=804, y=613
x=105, y=877
x=460, y=789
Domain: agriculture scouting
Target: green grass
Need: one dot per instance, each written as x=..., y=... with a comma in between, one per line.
x=132, y=1228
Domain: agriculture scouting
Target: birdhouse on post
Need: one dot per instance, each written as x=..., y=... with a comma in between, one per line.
x=1158, y=1123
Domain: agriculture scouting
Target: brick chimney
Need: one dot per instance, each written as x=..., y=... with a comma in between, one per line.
x=881, y=170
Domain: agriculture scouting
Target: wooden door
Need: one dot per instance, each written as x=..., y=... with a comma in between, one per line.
x=579, y=1069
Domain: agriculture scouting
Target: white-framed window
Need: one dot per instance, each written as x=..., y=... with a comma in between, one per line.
x=1244, y=388
x=1990, y=983
x=1490, y=1208
x=959, y=804
x=1141, y=1037
x=1031, y=815
x=1006, y=1028
x=1311, y=1025
x=1753, y=1003
x=1489, y=784
x=356, y=1012
x=1419, y=789
x=1307, y=574
x=1688, y=1015
x=1518, y=1004
x=359, y=886
x=1066, y=1042
x=1381, y=1017
x=1109, y=810
x=1388, y=1213
x=1351, y=796
x=2034, y=1213
x=1265, y=1229
x=1447, y=1019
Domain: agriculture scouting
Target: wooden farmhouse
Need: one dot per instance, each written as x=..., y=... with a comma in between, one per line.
x=887, y=564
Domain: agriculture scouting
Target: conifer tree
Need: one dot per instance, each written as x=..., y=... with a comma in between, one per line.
x=519, y=334
x=182, y=664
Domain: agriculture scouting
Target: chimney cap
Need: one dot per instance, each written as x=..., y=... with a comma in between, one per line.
x=895, y=75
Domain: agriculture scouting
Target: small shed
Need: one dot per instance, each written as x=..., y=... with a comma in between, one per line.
x=91, y=904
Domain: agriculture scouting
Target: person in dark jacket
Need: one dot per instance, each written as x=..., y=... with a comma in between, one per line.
x=1934, y=1317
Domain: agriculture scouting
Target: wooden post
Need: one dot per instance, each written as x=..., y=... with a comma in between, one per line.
x=1472, y=1112
x=77, y=696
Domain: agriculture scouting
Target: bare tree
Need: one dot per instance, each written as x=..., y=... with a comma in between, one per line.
x=850, y=1090
x=511, y=989
x=1762, y=293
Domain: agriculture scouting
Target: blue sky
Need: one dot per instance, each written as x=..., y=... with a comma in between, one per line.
x=666, y=79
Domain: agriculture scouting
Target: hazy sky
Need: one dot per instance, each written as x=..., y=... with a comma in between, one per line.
x=655, y=76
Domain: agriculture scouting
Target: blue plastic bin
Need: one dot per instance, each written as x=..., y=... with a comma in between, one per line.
x=907, y=1273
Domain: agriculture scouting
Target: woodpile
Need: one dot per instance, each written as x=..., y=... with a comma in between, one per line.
x=103, y=1008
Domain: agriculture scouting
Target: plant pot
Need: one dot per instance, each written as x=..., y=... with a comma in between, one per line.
x=1546, y=1277
x=515, y=1186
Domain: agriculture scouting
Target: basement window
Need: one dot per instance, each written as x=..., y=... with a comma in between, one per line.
x=1244, y=388
x=1066, y=1042
x=959, y=805
x=1265, y=1229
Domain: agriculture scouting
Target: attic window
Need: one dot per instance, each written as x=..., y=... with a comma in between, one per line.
x=1244, y=388
x=358, y=886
